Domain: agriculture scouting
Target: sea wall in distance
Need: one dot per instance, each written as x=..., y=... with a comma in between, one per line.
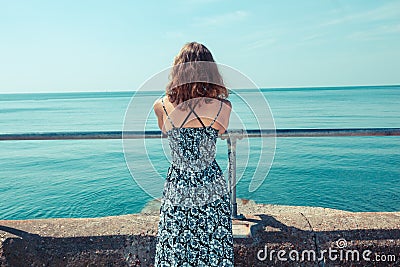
x=129, y=240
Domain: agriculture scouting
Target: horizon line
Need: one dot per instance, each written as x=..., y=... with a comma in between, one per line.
x=241, y=89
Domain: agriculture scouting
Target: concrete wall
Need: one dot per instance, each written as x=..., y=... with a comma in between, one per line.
x=129, y=240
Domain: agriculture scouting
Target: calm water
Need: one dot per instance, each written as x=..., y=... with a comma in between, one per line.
x=89, y=178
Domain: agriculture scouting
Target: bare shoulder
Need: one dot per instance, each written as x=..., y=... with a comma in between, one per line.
x=157, y=105
x=157, y=102
x=227, y=102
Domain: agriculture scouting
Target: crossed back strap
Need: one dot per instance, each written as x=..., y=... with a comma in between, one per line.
x=191, y=110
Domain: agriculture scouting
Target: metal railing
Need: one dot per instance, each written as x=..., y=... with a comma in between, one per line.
x=231, y=136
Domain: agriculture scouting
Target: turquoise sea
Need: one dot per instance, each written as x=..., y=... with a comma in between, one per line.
x=90, y=178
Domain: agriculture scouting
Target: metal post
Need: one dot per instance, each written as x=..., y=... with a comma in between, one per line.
x=231, y=142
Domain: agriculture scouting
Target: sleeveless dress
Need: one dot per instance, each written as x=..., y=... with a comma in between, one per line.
x=195, y=227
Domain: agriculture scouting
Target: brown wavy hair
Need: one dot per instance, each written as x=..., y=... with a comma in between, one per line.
x=195, y=74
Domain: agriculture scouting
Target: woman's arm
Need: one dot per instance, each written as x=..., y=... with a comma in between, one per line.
x=158, y=110
x=223, y=118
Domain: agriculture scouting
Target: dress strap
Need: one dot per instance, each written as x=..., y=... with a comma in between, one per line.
x=192, y=110
x=162, y=100
x=184, y=121
x=220, y=107
x=197, y=116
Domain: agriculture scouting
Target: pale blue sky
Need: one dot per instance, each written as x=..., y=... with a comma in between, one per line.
x=57, y=46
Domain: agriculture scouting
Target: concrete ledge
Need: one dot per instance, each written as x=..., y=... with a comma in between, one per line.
x=129, y=240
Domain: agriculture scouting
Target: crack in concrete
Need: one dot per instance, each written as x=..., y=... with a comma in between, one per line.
x=321, y=262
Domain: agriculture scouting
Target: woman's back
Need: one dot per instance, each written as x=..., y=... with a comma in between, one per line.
x=192, y=148
x=207, y=112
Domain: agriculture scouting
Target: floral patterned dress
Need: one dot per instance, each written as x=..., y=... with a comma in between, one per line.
x=195, y=227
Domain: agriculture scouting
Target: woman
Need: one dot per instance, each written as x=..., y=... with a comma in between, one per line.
x=195, y=227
